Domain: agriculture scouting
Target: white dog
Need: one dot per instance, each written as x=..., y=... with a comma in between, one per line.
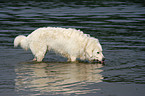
x=70, y=43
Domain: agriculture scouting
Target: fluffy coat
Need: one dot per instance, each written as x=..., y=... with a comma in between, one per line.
x=70, y=43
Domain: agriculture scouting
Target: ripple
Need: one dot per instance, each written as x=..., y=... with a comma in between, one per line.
x=119, y=26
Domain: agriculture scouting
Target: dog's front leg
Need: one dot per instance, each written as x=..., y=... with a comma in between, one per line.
x=68, y=60
x=72, y=59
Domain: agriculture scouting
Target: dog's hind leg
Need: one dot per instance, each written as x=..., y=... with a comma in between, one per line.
x=39, y=51
x=34, y=59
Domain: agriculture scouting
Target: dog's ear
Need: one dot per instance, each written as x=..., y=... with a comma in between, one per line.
x=89, y=52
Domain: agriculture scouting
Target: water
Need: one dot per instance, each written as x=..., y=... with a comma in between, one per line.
x=118, y=25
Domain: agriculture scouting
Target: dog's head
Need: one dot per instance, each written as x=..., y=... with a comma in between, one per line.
x=97, y=56
x=94, y=52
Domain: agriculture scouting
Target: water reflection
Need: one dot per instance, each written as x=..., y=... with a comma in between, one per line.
x=57, y=78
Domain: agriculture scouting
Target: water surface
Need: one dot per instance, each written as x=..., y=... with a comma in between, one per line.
x=119, y=26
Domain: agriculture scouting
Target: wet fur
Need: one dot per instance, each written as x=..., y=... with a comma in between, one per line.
x=70, y=43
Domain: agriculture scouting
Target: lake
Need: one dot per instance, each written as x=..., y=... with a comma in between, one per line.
x=119, y=25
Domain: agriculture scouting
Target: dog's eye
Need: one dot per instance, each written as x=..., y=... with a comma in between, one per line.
x=98, y=52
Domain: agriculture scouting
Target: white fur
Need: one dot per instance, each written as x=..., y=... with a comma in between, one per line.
x=70, y=43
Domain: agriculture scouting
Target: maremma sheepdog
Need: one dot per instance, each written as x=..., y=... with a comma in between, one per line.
x=70, y=43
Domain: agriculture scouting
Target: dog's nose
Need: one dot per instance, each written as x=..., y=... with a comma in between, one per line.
x=103, y=59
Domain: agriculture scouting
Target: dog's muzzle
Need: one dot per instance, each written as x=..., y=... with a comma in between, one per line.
x=97, y=61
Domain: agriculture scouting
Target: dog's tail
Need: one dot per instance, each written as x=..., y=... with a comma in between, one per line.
x=22, y=41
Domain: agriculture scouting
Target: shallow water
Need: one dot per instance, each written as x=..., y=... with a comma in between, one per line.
x=118, y=25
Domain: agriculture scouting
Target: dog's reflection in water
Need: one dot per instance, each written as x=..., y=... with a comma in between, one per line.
x=58, y=78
